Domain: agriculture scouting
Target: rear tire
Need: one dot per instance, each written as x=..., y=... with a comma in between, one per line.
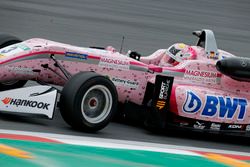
x=6, y=40
x=88, y=101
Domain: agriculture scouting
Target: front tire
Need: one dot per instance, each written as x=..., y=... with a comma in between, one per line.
x=88, y=101
x=12, y=84
x=6, y=40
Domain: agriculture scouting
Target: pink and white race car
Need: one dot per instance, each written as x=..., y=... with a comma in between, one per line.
x=198, y=87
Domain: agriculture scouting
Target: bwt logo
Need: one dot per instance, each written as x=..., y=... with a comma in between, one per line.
x=226, y=107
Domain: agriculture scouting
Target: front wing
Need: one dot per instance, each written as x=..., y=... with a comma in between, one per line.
x=35, y=100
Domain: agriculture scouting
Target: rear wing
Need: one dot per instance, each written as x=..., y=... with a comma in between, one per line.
x=208, y=42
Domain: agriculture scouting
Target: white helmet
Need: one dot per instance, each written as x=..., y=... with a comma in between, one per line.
x=179, y=52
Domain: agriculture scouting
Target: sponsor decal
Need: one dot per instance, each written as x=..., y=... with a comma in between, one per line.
x=215, y=106
x=163, y=86
x=160, y=104
x=125, y=82
x=75, y=55
x=15, y=48
x=24, y=47
x=192, y=103
x=215, y=126
x=164, y=90
x=25, y=103
x=6, y=100
x=21, y=70
x=9, y=49
x=248, y=128
x=111, y=62
x=201, y=76
x=234, y=126
x=163, y=96
x=199, y=125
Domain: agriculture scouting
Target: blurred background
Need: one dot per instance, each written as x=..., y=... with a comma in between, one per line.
x=146, y=24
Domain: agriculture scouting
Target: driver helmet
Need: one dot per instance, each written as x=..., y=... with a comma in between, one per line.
x=179, y=52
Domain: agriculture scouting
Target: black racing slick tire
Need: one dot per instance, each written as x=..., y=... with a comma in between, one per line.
x=6, y=40
x=7, y=85
x=88, y=101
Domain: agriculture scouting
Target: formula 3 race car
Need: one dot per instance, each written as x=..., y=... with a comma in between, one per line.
x=210, y=92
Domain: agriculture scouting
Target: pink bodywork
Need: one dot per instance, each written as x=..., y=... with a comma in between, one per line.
x=130, y=76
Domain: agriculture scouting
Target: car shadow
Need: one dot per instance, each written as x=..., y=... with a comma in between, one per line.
x=214, y=137
x=21, y=119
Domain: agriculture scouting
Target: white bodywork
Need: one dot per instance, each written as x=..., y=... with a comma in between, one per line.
x=37, y=100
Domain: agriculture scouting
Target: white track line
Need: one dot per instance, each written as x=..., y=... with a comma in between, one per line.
x=123, y=144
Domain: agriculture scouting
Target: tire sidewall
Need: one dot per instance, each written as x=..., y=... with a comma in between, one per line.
x=7, y=40
x=71, y=100
x=79, y=97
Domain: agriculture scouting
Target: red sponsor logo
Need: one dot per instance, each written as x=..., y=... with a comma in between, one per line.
x=6, y=100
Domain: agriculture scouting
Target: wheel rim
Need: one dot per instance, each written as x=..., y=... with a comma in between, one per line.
x=9, y=82
x=96, y=104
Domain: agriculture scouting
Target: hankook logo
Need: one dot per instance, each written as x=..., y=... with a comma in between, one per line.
x=6, y=100
x=26, y=103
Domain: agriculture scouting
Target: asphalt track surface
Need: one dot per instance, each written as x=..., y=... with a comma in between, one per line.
x=147, y=26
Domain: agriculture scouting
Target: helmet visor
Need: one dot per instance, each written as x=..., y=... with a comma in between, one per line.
x=174, y=53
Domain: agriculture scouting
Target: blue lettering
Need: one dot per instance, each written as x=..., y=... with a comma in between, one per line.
x=242, y=104
x=210, y=108
x=227, y=108
x=76, y=55
x=192, y=104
